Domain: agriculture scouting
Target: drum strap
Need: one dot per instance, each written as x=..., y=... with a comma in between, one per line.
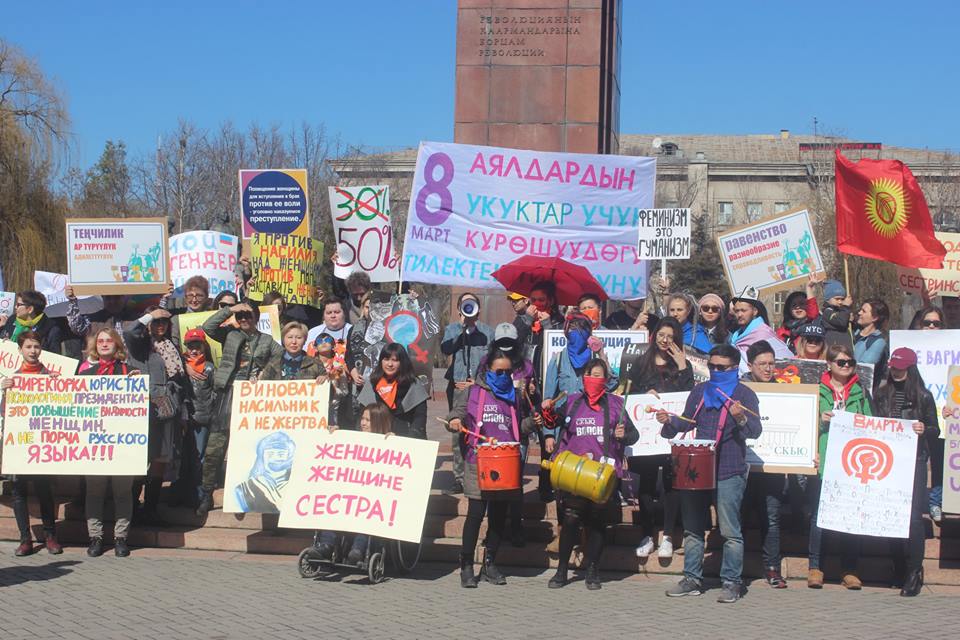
x=723, y=419
x=606, y=420
x=515, y=427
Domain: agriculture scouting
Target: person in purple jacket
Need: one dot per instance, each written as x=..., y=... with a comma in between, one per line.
x=726, y=412
x=493, y=408
x=594, y=425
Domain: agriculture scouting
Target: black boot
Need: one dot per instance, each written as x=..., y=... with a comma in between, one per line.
x=489, y=571
x=120, y=548
x=593, y=577
x=95, y=550
x=206, y=503
x=467, y=579
x=913, y=584
x=559, y=580
x=151, y=499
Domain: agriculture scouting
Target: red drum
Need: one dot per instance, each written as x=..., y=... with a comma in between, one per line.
x=694, y=464
x=498, y=466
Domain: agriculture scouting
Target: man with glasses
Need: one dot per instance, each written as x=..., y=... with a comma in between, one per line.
x=726, y=412
x=28, y=316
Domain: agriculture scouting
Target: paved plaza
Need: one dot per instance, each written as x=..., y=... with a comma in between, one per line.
x=182, y=595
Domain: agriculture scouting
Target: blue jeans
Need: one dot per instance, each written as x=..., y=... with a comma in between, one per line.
x=695, y=510
x=773, y=487
x=201, y=435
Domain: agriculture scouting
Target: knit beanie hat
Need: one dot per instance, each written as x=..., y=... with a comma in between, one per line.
x=832, y=289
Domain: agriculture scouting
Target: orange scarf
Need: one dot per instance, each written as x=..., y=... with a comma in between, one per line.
x=388, y=392
x=198, y=363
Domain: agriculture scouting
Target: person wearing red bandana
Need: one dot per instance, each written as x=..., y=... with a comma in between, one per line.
x=29, y=343
x=541, y=315
x=594, y=425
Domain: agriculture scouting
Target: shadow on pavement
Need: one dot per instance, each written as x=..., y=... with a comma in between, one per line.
x=19, y=574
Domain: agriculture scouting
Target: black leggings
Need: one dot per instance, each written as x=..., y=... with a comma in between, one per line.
x=496, y=511
x=576, y=512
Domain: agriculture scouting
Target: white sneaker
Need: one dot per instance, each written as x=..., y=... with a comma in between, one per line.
x=936, y=513
x=645, y=548
x=666, y=548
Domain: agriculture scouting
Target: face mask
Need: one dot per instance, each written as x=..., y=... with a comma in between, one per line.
x=577, y=347
x=594, y=315
x=594, y=388
x=542, y=307
x=501, y=384
x=720, y=386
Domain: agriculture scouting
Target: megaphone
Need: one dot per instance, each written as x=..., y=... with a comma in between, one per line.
x=469, y=308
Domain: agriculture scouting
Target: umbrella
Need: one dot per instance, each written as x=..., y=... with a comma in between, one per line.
x=571, y=280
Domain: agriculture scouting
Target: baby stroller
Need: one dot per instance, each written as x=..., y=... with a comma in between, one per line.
x=403, y=557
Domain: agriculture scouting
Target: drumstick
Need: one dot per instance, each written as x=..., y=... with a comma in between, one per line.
x=468, y=432
x=623, y=409
x=754, y=413
x=653, y=409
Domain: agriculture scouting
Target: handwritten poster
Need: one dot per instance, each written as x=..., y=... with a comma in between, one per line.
x=473, y=209
x=775, y=253
x=651, y=443
x=76, y=425
x=274, y=201
x=937, y=351
x=210, y=254
x=664, y=234
x=790, y=416
x=289, y=265
x=117, y=256
x=614, y=342
x=363, y=232
x=269, y=422
x=936, y=282
x=10, y=360
x=868, y=476
x=363, y=483
x=951, y=445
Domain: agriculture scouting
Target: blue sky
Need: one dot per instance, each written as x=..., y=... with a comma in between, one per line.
x=380, y=72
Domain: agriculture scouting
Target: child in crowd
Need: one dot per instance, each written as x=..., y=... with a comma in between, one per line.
x=199, y=367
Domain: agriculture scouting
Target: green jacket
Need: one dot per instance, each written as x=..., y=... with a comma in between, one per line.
x=232, y=339
x=857, y=402
x=310, y=369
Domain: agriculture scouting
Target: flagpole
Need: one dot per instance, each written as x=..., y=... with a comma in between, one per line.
x=846, y=278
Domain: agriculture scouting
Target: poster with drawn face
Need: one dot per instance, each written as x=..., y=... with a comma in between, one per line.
x=408, y=320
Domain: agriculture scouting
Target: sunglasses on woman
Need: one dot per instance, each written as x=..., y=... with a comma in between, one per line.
x=844, y=363
x=932, y=323
x=709, y=308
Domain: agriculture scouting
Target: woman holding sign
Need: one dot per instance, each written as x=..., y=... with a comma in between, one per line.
x=663, y=368
x=491, y=411
x=596, y=427
x=840, y=390
x=904, y=395
x=931, y=318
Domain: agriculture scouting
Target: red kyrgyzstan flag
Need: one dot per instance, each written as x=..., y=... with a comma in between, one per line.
x=882, y=214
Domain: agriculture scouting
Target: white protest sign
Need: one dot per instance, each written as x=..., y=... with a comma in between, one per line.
x=270, y=421
x=868, y=476
x=10, y=360
x=664, y=234
x=936, y=352
x=775, y=253
x=7, y=300
x=614, y=342
x=76, y=425
x=790, y=415
x=52, y=286
x=118, y=255
x=362, y=483
x=474, y=209
x=210, y=254
x=363, y=232
x=936, y=282
x=651, y=443
x=951, y=445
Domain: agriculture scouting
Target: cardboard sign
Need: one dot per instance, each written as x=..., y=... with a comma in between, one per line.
x=651, y=443
x=210, y=254
x=775, y=253
x=790, y=415
x=615, y=341
x=936, y=282
x=116, y=256
x=473, y=209
x=269, y=422
x=951, y=445
x=274, y=201
x=664, y=234
x=10, y=360
x=363, y=232
x=76, y=425
x=868, y=476
x=362, y=483
x=289, y=265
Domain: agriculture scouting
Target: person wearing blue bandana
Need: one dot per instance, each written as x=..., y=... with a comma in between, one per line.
x=492, y=409
x=726, y=412
x=564, y=374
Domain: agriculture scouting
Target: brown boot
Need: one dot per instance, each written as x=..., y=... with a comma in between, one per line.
x=851, y=582
x=815, y=579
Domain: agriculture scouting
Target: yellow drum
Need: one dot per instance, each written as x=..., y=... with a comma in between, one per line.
x=581, y=476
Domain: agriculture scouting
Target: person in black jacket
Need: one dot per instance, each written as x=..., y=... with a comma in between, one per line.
x=393, y=383
x=904, y=395
x=28, y=316
x=662, y=369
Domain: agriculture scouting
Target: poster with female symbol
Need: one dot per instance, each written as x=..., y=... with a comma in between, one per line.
x=868, y=476
x=407, y=320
